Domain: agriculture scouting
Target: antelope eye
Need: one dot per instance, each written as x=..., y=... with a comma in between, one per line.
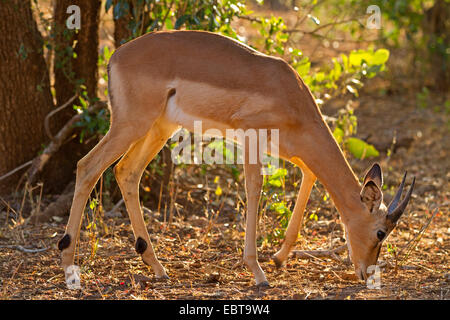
x=381, y=235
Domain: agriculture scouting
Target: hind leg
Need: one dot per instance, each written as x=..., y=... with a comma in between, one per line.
x=89, y=169
x=128, y=173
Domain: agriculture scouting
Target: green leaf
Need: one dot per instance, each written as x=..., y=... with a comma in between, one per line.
x=303, y=69
x=337, y=70
x=381, y=56
x=320, y=76
x=338, y=134
x=357, y=57
x=275, y=179
x=280, y=173
x=169, y=24
x=281, y=208
x=84, y=103
x=345, y=62
x=361, y=149
x=181, y=20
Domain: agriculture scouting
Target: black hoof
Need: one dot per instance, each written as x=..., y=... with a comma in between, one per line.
x=163, y=278
x=263, y=285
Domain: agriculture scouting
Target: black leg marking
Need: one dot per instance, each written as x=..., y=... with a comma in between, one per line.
x=64, y=242
x=141, y=245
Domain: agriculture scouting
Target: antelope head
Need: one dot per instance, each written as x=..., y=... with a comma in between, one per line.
x=367, y=231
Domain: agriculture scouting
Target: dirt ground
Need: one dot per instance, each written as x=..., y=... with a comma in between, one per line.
x=202, y=254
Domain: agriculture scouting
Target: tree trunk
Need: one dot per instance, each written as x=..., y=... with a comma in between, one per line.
x=121, y=31
x=69, y=73
x=25, y=97
x=437, y=26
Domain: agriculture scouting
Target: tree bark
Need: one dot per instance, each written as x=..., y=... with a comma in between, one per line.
x=436, y=26
x=25, y=97
x=69, y=73
x=121, y=31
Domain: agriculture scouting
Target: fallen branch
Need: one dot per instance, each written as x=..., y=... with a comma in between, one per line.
x=23, y=249
x=58, y=140
x=47, y=118
x=58, y=208
x=10, y=173
x=308, y=254
x=47, y=130
x=331, y=24
x=116, y=207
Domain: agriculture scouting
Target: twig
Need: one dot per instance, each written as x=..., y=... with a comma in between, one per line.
x=422, y=267
x=47, y=118
x=310, y=9
x=7, y=204
x=40, y=161
x=23, y=249
x=28, y=190
x=307, y=254
x=167, y=14
x=57, y=208
x=330, y=24
x=417, y=237
x=26, y=164
x=38, y=207
x=9, y=209
x=252, y=19
x=116, y=206
x=12, y=277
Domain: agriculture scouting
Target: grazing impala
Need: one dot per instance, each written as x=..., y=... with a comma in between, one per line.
x=165, y=80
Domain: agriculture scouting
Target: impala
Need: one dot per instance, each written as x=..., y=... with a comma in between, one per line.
x=166, y=80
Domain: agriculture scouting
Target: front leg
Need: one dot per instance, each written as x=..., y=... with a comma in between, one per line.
x=295, y=222
x=253, y=185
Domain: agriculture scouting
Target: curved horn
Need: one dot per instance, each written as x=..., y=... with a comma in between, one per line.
x=397, y=196
x=395, y=215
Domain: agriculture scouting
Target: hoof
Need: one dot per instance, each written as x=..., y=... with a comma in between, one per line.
x=279, y=264
x=263, y=285
x=164, y=277
x=72, y=275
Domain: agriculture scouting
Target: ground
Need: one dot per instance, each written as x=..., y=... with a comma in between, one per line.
x=202, y=254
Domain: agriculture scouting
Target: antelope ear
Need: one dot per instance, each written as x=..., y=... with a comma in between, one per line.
x=371, y=196
x=375, y=175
